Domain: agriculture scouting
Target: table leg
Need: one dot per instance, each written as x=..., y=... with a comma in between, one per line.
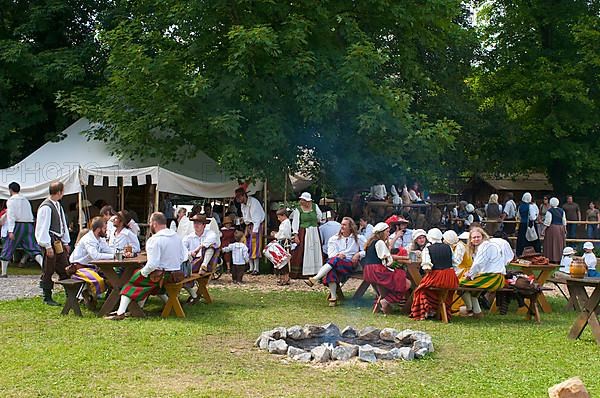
x=588, y=315
x=442, y=295
x=541, y=279
x=117, y=282
x=72, y=303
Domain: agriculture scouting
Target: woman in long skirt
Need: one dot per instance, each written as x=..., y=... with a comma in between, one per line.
x=555, y=233
x=307, y=257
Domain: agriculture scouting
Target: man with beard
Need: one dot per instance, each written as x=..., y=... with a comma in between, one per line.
x=165, y=253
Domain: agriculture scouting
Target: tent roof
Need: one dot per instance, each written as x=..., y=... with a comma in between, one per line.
x=530, y=182
x=200, y=176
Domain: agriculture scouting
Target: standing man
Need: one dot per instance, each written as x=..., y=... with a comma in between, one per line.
x=20, y=229
x=52, y=234
x=509, y=213
x=165, y=253
x=328, y=229
x=254, y=217
x=573, y=213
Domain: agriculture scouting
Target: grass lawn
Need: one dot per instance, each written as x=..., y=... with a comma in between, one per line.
x=210, y=353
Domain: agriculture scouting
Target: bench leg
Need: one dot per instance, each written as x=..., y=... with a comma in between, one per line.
x=442, y=295
x=203, y=291
x=362, y=289
x=71, y=302
x=173, y=303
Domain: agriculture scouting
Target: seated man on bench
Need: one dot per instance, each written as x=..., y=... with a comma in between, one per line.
x=165, y=252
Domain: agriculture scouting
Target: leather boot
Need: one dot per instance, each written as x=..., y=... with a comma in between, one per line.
x=48, y=298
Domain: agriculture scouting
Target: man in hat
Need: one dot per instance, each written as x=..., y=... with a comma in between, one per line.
x=328, y=229
x=19, y=220
x=254, y=217
x=165, y=253
x=402, y=237
x=52, y=234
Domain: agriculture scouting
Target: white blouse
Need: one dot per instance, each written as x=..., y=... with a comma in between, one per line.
x=120, y=240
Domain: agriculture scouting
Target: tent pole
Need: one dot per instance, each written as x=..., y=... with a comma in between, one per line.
x=266, y=211
x=286, y=176
x=122, y=195
x=156, y=193
x=79, y=206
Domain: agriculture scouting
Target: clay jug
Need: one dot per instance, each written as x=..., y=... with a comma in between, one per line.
x=577, y=269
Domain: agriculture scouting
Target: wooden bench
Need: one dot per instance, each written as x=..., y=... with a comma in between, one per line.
x=173, y=289
x=72, y=288
x=532, y=308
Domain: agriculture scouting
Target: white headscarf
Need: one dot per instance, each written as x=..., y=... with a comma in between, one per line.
x=526, y=197
x=554, y=202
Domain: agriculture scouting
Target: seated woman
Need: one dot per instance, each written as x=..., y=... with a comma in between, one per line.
x=122, y=237
x=436, y=261
x=488, y=269
x=343, y=252
x=461, y=260
x=419, y=242
x=391, y=284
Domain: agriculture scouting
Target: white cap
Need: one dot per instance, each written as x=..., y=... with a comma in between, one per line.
x=526, y=197
x=418, y=232
x=588, y=246
x=450, y=237
x=380, y=227
x=554, y=202
x=306, y=196
x=434, y=235
x=470, y=208
x=567, y=251
x=464, y=236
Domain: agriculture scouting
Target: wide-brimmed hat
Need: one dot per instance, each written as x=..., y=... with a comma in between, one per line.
x=464, y=236
x=306, y=196
x=567, y=251
x=201, y=218
x=418, y=232
x=529, y=251
x=450, y=237
x=227, y=220
x=380, y=227
x=392, y=220
x=588, y=246
x=434, y=235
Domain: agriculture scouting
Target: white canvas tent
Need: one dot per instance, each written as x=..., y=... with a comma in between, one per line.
x=75, y=158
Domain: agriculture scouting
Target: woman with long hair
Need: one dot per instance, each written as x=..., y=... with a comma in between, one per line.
x=391, y=284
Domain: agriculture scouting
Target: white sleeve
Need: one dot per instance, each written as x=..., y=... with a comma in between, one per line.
x=458, y=255
x=426, y=259
x=42, y=227
x=564, y=218
x=153, y=254
x=93, y=252
x=10, y=216
x=65, y=238
x=331, y=247
x=257, y=215
x=134, y=227
x=481, y=258
x=284, y=231
x=104, y=248
x=135, y=242
x=319, y=214
x=548, y=219
x=295, y=221
x=383, y=253
x=533, y=212
x=228, y=248
x=245, y=253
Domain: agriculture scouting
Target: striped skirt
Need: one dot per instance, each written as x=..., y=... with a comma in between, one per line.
x=487, y=280
x=340, y=272
x=139, y=287
x=24, y=238
x=254, y=241
x=426, y=301
x=95, y=282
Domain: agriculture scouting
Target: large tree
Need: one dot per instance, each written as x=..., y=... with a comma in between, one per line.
x=540, y=71
x=256, y=84
x=46, y=46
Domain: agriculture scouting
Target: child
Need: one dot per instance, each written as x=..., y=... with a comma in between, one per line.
x=239, y=257
x=227, y=237
x=589, y=258
x=284, y=237
x=565, y=263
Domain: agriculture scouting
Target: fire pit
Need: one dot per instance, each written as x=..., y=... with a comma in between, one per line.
x=327, y=343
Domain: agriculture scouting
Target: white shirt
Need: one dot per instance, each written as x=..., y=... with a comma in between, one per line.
x=134, y=227
x=239, y=253
x=383, y=253
x=492, y=257
x=91, y=249
x=126, y=236
x=590, y=260
x=185, y=227
x=42, y=227
x=565, y=264
x=406, y=240
x=165, y=251
x=207, y=239
x=510, y=208
x=458, y=254
x=548, y=219
x=252, y=212
x=284, y=231
x=378, y=192
x=110, y=227
x=18, y=210
x=327, y=230
x=533, y=213
x=348, y=246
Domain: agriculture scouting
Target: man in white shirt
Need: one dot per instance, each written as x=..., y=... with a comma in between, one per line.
x=254, y=217
x=509, y=213
x=92, y=246
x=52, y=234
x=328, y=229
x=165, y=253
x=20, y=228
x=184, y=225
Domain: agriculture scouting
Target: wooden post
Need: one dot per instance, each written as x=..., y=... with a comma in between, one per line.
x=287, y=177
x=266, y=210
x=156, y=196
x=121, y=195
x=81, y=212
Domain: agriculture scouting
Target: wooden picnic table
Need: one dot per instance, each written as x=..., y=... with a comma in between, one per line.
x=587, y=306
x=129, y=265
x=541, y=272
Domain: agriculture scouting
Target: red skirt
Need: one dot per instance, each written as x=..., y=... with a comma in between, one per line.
x=394, y=282
x=425, y=301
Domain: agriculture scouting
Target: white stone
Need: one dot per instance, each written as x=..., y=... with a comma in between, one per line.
x=295, y=333
x=278, y=347
x=369, y=334
x=421, y=353
x=349, y=332
x=344, y=352
x=264, y=342
x=305, y=357
x=366, y=353
x=382, y=354
x=293, y=351
x=388, y=334
x=321, y=353
x=331, y=329
x=312, y=331
x=405, y=353
x=279, y=333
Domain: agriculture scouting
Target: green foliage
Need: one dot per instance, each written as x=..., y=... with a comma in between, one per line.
x=45, y=46
x=254, y=84
x=539, y=71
